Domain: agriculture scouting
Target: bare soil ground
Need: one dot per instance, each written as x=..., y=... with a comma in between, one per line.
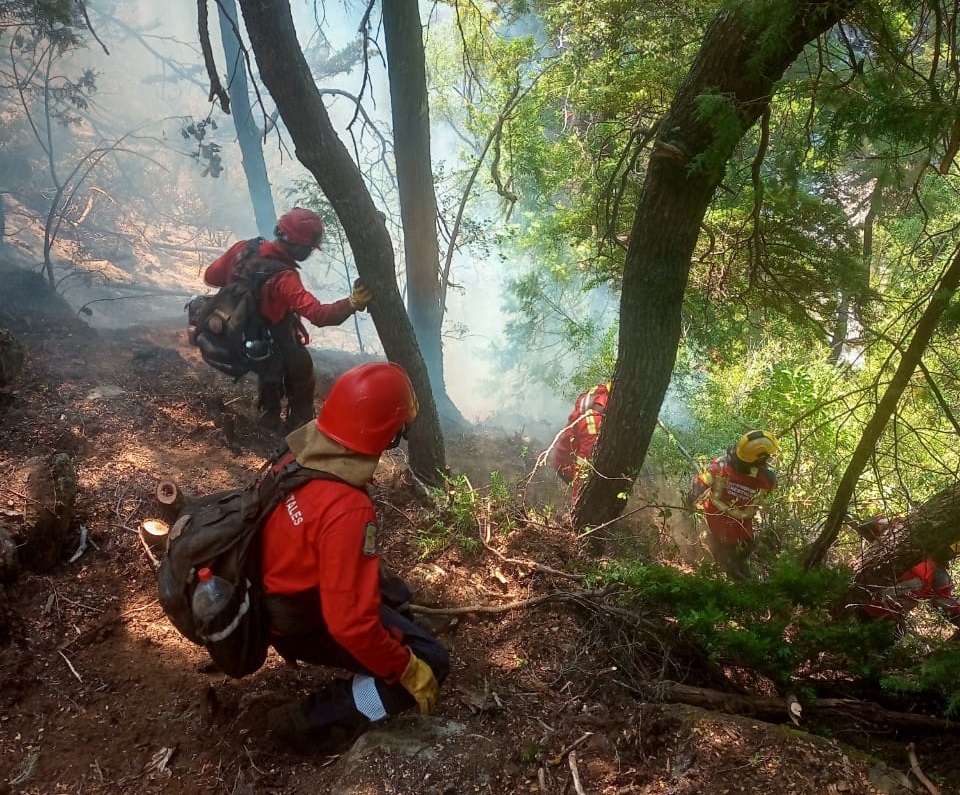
x=99, y=694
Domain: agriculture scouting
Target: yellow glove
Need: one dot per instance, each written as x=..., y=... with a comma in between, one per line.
x=418, y=680
x=361, y=296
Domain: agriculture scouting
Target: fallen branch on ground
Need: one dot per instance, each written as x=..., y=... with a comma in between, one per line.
x=553, y=596
x=532, y=564
x=770, y=708
x=915, y=769
x=575, y=772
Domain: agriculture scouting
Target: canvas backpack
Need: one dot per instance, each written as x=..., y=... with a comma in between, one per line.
x=227, y=326
x=222, y=532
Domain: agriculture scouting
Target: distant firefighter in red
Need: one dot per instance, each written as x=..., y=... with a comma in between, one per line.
x=574, y=447
x=727, y=493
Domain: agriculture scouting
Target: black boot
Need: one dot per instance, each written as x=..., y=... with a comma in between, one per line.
x=271, y=421
x=294, y=727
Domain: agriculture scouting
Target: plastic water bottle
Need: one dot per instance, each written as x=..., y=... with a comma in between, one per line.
x=211, y=595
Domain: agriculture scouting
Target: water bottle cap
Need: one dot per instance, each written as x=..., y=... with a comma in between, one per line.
x=204, y=574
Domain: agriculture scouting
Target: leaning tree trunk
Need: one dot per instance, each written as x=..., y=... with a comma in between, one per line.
x=743, y=54
x=942, y=294
x=928, y=531
x=285, y=73
x=406, y=67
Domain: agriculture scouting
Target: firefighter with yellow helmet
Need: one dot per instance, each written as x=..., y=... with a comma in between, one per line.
x=728, y=491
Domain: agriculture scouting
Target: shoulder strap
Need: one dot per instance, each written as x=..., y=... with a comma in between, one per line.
x=253, y=270
x=280, y=475
x=589, y=402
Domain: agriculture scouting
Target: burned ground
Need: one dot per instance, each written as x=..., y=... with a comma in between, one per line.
x=98, y=693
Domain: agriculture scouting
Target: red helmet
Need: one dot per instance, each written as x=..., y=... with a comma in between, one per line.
x=368, y=406
x=300, y=226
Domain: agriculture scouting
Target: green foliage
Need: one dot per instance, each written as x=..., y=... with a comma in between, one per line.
x=937, y=672
x=720, y=112
x=60, y=17
x=780, y=627
x=464, y=515
x=592, y=81
x=857, y=150
x=558, y=319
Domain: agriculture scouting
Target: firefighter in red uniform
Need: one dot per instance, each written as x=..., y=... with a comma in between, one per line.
x=927, y=581
x=574, y=446
x=321, y=571
x=728, y=491
x=283, y=301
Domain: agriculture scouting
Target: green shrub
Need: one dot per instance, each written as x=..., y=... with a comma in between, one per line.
x=465, y=515
x=780, y=628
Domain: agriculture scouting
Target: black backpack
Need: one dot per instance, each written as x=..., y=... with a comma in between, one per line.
x=227, y=326
x=222, y=532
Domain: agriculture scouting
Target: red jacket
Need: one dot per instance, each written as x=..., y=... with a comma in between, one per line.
x=925, y=581
x=579, y=437
x=283, y=292
x=737, y=490
x=324, y=536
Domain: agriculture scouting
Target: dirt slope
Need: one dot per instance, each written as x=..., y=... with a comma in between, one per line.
x=98, y=694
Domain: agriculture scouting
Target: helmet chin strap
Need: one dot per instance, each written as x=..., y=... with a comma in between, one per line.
x=296, y=251
x=400, y=436
x=300, y=253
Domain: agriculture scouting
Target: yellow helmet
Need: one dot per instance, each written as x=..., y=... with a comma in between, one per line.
x=756, y=446
x=955, y=548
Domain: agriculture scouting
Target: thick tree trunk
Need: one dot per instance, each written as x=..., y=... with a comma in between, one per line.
x=928, y=531
x=406, y=67
x=743, y=54
x=248, y=131
x=11, y=357
x=49, y=486
x=286, y=75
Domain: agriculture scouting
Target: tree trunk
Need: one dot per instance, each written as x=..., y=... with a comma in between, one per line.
x=286, y=75
x=928, y=531
x=418, y=202
x=248, y=131
x=49, y=486
x=841, y=326
x=773, y=709
x=888, y=403
x=737, y=67
x=11, y=357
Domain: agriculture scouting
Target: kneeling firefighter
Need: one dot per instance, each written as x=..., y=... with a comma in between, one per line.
x=321, y=572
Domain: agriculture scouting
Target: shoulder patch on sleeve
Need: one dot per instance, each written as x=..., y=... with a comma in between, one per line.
x=370, y=540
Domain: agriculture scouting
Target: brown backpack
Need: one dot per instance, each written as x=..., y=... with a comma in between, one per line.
x=222, y=532
x=227, y=326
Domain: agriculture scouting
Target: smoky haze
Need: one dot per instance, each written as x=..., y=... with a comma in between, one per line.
x=158, y=207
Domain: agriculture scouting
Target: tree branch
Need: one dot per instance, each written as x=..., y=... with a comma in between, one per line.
x=86, y=18
x=216, y=88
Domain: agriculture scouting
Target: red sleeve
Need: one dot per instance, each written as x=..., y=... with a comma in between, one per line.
x=564, y=460
x=564, y=451
x=350, y=596
x=220, y=271
x=285, y=292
